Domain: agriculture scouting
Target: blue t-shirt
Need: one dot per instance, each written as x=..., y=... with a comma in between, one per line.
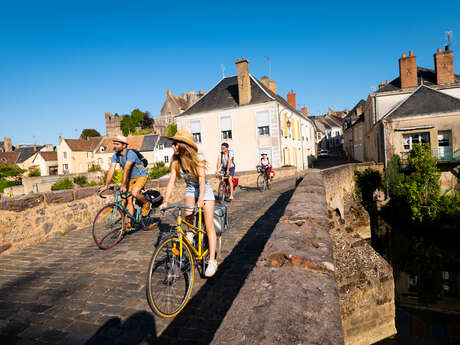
x=137, y=169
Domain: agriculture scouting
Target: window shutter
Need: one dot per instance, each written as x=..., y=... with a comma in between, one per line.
x=226, y=123
x=299, y=135
x=195, y=126
x=285, y=127
x=262, y=119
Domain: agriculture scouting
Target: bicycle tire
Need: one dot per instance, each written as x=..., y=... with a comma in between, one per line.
x=260, y=182
x=108, y=232
x=166, y=267
x=205, y=259
x=221, y=192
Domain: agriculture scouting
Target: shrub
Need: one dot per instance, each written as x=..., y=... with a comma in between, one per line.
x=287, y=166
x=142, y=132
x=95, y=167
x=10, y=170
x=5, y=183
x=367, y=182
x=34, y=172
x=158, y=170
x=80, y=180
x=65, y=183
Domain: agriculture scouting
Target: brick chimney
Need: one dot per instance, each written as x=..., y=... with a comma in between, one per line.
x=266, y=81
x=408, y=70
x=444, y=66
x=304, y=110
x=291, y=99
x=244, y=81
x=273, y=86
x=8, y=145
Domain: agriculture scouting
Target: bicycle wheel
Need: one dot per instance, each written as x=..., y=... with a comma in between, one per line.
x=221, y=192
x=170, y=278
x=261, y=185
x=269, y=184
x=205, y=259
x=108, y=226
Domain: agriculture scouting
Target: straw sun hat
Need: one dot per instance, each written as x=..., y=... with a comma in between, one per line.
x=184, y=137
x=120, y=139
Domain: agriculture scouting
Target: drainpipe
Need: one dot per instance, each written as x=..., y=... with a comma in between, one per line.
x=279, y=133
x=384, y=146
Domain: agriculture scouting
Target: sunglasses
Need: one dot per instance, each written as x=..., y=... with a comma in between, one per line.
x=175, y=143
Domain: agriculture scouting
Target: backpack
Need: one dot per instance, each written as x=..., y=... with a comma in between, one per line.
x=139, y=155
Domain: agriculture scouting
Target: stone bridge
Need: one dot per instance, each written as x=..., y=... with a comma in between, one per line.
x=291, y=272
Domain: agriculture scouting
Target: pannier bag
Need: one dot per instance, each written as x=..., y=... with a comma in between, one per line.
x=220, y=219
x=235, y=181
x=154, y=197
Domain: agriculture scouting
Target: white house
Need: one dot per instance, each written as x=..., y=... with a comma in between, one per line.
x=250, y=116
x=163, y=151
x=46, y=163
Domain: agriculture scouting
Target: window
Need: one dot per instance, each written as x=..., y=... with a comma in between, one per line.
x=179, y=125
x=66, y=166
x=161, y=146
x=415, y=138
x=166, y=159
x=195, y=129
x=102, y=149
x=226, y=127
x=413, y=283
x=64, y=154
x=449, y=283
x=263, y=123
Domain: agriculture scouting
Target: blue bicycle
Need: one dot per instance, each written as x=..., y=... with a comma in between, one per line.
x=110, y=223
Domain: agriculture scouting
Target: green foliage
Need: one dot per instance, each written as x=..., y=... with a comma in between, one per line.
x=80, y=180
x=96, y=167
x=34, y=172
x=10, y=170
x=5, y=183
x=158, y=170
x=137, y=118
x=393, y=177
x=89, y=133
x=172, y=129
x=142, y=132
x=117, y=177
x=65, y=183
x=367, y=182
x=287, y=166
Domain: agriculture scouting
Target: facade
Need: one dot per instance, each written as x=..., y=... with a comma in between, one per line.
x=163, y=151
x=76, y=155
x=112, y=125
x=46, y=163
x=420, y=106
x=249, y=115
x=353, y=133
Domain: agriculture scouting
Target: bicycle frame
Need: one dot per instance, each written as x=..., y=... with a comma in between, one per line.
x=120, y=204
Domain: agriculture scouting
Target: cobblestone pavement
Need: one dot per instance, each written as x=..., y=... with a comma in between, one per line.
x=336, y=157
x=66, y=291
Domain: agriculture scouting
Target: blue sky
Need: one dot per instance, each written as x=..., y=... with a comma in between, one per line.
x=63, y=63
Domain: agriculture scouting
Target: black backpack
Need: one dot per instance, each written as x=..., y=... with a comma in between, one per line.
x=139, y=155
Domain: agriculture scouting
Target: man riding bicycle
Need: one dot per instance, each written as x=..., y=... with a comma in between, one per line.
x=226, y=165
x=265, y=166
x=134, y=175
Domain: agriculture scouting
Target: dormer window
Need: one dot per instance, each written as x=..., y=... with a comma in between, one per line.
x=102, y=149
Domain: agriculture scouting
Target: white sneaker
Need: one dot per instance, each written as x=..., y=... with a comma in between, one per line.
x=190, y=236
x=211, y=269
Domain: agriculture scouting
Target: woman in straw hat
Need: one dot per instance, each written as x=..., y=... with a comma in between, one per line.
x=187, y=165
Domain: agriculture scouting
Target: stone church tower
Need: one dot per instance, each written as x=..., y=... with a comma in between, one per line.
x=112, y=125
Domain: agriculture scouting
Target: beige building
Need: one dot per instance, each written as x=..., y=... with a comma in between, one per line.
x=76, y=155
x=46, y=163
x=353, y=133
x=253, y=119
x=420, y=106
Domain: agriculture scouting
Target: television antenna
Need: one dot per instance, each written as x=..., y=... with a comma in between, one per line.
x=269, y=66
x=450, y=41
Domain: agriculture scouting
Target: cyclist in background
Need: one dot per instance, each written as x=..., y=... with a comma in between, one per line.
x=226, y=165
x=266, y=166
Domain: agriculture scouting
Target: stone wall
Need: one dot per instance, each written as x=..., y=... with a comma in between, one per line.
x=291, y=295
x=364, y=278
x=30, y=218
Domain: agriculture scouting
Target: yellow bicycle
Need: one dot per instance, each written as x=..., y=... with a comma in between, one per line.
x=172, y=267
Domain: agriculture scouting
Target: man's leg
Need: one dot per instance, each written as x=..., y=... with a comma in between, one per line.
x=136, y=188
x=230, y=181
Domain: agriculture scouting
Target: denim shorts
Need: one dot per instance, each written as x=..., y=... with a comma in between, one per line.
x=231, y=171
x=194, y=190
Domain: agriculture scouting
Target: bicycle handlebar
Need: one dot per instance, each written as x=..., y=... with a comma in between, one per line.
x=116, y=189
x=180, y=207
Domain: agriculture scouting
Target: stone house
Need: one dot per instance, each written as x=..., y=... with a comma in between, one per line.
x=353, y=132
x=253, y=119
x=76, y=155
x=332, y=126
x=163, y=151
x=420, y=106
x=46, y=163
x=22, y=155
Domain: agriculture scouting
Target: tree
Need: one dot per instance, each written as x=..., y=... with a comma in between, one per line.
x=147, y=122
x=137, y=118
x=172, y=129
x=10, y=170
x=89, y=133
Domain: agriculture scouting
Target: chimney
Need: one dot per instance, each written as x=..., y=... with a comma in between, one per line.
x=35, y=147
x=408, y=70
x=273, y=86
x=444, y=66
x=304, y=110
x=291, y=99
x=266, y=81
x=191, y=98
x=60, y=140
x=381, y=85
x=244, y=81
x=8, y=145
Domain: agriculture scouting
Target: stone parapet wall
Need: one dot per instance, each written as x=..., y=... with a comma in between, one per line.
x=291, y=295
x=364, y=278
x=31, y=218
